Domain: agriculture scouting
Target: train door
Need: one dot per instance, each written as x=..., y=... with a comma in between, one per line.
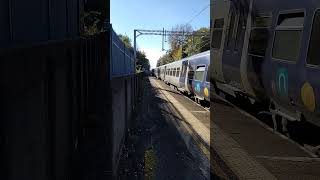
x=207, y=84
x=164, y=73
x=183, y=76
x=286, y=52
x=190, y=77
x=254, y=49
x=198, y=83
x=234, y=58
x=309, y=84
x=219, y=14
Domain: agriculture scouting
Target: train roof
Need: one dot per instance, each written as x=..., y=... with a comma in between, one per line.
x=196, y=56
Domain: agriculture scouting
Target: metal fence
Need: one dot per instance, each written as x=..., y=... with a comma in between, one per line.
x=65, y=108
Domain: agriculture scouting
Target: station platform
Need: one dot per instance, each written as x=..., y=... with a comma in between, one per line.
x=231, y=143
x=245, y=148
x=241, y=146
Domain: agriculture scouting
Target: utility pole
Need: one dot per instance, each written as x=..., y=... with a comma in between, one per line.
x=135, y=44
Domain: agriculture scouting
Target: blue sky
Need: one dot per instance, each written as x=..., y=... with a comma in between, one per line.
x=127, y=15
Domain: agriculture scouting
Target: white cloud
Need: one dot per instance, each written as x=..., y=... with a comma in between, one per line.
x=153, y=54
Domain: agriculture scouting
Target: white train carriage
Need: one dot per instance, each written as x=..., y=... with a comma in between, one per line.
x=173, y=72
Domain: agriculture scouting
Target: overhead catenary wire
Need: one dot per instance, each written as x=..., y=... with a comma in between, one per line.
x=198, y=13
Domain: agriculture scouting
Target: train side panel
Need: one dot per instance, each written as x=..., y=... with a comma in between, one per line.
x=267, y=51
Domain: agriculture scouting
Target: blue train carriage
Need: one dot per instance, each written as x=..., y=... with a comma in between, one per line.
x=199, y=67
x=236, y=65
x=185, y=78
x=267, y=51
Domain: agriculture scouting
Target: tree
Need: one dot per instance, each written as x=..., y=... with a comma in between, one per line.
x=198, y=44
x=165, y=59
x=91, y=23
x=177, y=41
x=143, y=60
x=183, y=46
x=126, y=40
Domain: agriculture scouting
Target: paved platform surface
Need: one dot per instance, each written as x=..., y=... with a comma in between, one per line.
x=242, y=147
x=250, y=150
x=154, y=148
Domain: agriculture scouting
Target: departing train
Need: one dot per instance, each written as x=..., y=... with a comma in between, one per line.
x=189, y=75
x=267, y=51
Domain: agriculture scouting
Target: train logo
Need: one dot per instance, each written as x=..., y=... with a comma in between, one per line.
x=308, y=97
x=197, y=88
x=282, y=82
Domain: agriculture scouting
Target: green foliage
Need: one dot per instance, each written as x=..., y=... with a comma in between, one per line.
x=143, y=60
x=165, y=59
x=177, y=41
x=182, y=46
x=198, y=44
x=91, y=23
x=126, y=40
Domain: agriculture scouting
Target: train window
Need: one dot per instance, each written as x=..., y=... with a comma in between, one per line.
x=291, y=19
x=199, y=75
x=190, y=74
x=259, y=35
x=217, y=33
x=286, y=45
x=287, y=37
x=262, y=21
x=174, y=72
x=314, y=53
x=231, y=27
x=178, y=72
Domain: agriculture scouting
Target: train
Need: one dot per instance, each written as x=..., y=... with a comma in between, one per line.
x=189, y=75
x=267, y=52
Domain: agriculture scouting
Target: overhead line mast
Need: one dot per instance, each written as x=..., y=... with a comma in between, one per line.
x=164, y=33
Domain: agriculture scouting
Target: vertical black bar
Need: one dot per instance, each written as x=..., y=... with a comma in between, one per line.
x=10, y=20
x=49, y=19
x=51, y=115
x=67, y=19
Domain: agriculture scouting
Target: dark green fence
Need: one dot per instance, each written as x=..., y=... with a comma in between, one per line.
x=63, y=115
